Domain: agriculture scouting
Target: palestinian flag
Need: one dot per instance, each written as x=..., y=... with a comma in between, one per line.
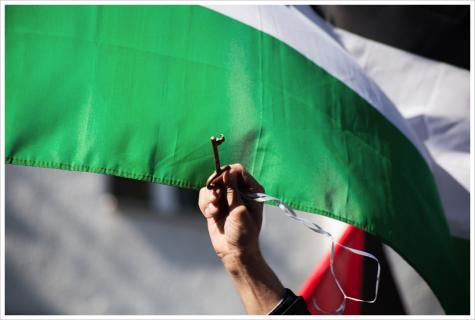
x=428, y=81
x=136, y=91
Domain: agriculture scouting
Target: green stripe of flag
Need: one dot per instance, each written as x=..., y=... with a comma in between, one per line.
x=136, y=91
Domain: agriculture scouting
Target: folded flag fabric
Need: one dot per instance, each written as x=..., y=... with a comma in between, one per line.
x=136, y=91
x=434, y=99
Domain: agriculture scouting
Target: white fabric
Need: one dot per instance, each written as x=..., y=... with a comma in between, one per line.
x=434, y=99
x=307, y=35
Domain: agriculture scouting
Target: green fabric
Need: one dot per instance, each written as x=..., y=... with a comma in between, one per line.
x=136, y=91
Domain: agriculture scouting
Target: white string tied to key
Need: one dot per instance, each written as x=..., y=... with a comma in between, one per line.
x=262, y=197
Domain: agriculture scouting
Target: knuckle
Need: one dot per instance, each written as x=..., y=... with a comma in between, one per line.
x=238, y=167
x=203, y=199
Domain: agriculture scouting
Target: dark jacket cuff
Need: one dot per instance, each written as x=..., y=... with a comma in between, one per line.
x=290, y=304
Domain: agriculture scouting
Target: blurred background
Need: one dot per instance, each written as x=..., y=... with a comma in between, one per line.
x=81, y=243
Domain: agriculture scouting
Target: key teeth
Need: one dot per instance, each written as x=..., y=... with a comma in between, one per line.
x=220, y=139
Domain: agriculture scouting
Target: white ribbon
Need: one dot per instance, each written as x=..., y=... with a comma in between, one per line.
x=262, y=197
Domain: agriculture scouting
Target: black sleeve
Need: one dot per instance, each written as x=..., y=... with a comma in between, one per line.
x=291, y=305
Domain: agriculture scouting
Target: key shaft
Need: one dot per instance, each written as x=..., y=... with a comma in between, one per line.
x=215, y=143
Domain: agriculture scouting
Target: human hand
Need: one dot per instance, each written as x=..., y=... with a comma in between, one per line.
x=234, y=223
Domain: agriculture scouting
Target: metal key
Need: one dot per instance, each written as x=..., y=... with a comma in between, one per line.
x=215, y=142
x=212, y=182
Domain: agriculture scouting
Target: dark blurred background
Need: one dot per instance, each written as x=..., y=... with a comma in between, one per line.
x=441, y=33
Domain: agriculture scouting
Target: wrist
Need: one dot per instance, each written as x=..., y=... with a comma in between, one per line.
x=240, y=259
x=258, y=286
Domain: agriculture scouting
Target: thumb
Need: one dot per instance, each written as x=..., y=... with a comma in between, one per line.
x=233, y=196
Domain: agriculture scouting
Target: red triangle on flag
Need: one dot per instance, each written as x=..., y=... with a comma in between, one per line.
x=321, y=288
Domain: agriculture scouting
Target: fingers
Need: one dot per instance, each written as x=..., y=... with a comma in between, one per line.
x=236, y=180
x=246, y=184
x=232, y=191
x=208, y=202
x=245, y=181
